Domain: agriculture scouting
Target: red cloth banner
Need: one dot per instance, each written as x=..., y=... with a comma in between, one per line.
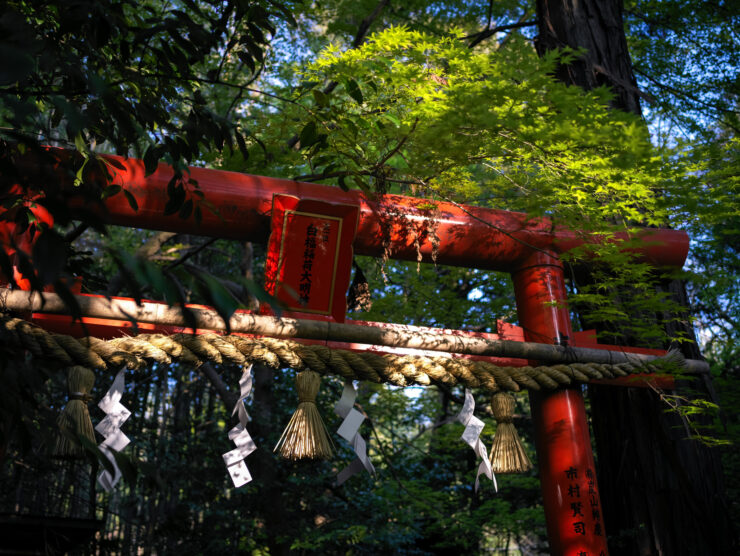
x=309, y=255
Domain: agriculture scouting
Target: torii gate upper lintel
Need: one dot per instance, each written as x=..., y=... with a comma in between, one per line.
x=472, y=237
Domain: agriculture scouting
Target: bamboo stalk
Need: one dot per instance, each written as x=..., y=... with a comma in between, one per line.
x=413, y=337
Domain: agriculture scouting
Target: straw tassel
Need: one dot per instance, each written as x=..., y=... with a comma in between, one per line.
x=74, y=420
x=306, y=436
x=507, y=452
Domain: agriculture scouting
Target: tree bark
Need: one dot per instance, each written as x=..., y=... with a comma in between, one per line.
x=271, y=483
x=662, y=493
x=596, y=27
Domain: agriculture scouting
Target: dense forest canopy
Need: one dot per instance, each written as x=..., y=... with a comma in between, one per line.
x=450, y=101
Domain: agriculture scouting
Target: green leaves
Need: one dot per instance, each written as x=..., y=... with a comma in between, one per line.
x=151, y=159
x=321, y=98
x=458, y=123
x=176, y=195
x=309, y=135
x=110, y=191
x=353, y=90
x=131, y=200
x=243, y=149
x=216, y=295
x=416, y=113
x=126, y=74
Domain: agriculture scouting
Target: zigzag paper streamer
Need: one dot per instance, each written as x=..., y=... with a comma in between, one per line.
x=471, y=435
x=110, y=428
x=349, y=431
x=244, y=444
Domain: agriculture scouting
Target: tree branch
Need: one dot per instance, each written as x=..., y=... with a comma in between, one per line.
x=367, y=22
x=397, y=148
x=76, y=232
x=219, y=385
x=190, y=254
x=360, y=37
x=692, y=98
x=236, y=289
x=487, y=32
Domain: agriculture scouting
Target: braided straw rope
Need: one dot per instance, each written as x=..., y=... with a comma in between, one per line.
x=139, y=351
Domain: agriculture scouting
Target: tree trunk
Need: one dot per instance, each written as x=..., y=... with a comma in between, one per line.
x=271, y=486
x=597, y=27
x=661, y=492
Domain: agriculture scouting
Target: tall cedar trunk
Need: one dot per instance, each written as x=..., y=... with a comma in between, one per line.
x=271, y=487
x=661, y=492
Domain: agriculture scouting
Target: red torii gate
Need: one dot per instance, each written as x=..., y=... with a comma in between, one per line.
x=467, y=236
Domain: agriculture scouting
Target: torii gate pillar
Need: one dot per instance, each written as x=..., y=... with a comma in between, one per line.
x=566, y=461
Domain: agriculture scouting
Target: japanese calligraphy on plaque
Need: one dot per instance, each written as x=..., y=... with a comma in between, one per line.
x=309, y=255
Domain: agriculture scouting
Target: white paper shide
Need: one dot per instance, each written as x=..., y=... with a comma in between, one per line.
x=349, y=430
x=234, y=459
x=471, y=435
x=110, y=428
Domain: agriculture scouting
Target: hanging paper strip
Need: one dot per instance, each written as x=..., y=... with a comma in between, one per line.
x=244, y=444
x=110, y=428
x=471, y=435
x=349, y=430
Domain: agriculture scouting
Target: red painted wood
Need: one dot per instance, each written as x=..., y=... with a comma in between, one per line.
x=464, y=236
x=565, y=459
x=567, y=473
x=12, y=240
x=468, y=236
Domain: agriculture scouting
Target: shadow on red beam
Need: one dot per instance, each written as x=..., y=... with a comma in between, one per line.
x=450, y=234
x=111, y=328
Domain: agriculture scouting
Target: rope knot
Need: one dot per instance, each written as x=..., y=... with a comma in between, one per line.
x=503, y=405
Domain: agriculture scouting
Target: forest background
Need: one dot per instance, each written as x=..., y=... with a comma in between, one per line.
x=458, y=101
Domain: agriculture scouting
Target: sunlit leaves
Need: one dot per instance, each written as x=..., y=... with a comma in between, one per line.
x=423, y=114
x=428, y=111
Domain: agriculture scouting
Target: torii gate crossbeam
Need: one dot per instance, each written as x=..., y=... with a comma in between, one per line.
x=471, y=237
